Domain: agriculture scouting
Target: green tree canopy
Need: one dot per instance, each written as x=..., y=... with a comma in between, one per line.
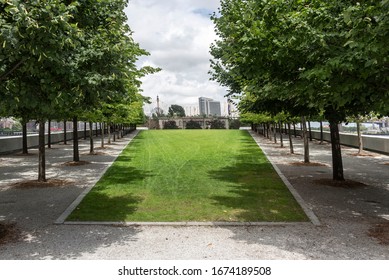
x=304, y=57
x=176, y=110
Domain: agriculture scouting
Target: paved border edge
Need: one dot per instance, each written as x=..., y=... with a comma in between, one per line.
x=90, y=223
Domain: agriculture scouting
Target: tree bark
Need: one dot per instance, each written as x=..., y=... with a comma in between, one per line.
x=109, y=132
x=290, y=139
x=281, y=137
x=49, y=134
x=306, y=141
x=274, y=128
x=91, y=146
x=24, y=138
x=310, y=131
x=42, y=154
x=294, y=130
x=321, y=132
x=65, y=141
x=84, y=130
x=360, y=140
x=337, y=164
x=76, y=153
x=102, y=134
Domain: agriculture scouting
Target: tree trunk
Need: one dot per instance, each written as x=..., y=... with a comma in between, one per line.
x=269, y=132
x=42, y=154
x=109, y=132
x=24, y=139
x=49, y=134
x=84, y=130
x=274, y=128
x=306, y=141
x=114, y=133
x=290, y=139
x=76, y=153
x=337, y=164
x=91, y=146
x=294, y=130
x=321, y=132
x=360, y=140
x=264, y=130
x=281, y=137
x=310, y=131
x=102, y=134
x=65, y=142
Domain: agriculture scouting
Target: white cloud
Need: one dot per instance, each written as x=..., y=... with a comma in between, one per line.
x=178, y=34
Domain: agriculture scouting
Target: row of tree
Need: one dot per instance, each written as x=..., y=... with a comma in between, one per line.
x=68, y=60
x=305, y=58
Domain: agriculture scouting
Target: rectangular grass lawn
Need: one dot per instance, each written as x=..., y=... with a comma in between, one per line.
x=190, y=175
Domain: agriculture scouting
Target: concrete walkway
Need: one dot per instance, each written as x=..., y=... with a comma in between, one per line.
x=346, y=214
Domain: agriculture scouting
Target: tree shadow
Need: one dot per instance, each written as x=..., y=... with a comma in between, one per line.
x=256, y=192
x=33, y=212
x=112, y=198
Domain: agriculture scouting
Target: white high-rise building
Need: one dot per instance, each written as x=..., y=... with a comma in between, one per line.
x=209, y=107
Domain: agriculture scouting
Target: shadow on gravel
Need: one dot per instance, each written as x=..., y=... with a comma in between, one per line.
x=65, y=242
x=354, y=220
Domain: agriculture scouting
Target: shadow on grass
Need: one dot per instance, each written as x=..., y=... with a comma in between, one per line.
x=256, y=191
x=111, y=199
x=257, y=194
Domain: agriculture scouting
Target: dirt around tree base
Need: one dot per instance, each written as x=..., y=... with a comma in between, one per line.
x=50, y=183
x=9, y=233
x=380, y=232
x=76, y=163
x=363, y=154
x=95, y=154
x=339, y=184
x=301, y=163
x=26, y=155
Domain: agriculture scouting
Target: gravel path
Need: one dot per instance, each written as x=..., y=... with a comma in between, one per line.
x=346, y=214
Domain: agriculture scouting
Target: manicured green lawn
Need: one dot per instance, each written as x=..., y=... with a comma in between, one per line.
x=190, y=175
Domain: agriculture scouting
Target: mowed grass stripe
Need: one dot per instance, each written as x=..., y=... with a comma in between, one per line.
x=190, y=175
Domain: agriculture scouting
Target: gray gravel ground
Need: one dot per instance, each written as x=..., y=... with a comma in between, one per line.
x=346, y=214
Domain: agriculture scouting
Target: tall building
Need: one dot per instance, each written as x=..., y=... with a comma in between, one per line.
x=209, y=107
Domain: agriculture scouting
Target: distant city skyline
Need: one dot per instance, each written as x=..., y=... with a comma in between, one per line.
x=190, y=109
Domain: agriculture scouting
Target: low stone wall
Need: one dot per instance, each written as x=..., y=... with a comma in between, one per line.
x=370, y=142
x=13, y=144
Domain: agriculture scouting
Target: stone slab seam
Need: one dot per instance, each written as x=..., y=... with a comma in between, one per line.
x=308, y=211
x=78, y=200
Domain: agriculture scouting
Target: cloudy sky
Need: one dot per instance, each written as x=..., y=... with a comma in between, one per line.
x=178, y=34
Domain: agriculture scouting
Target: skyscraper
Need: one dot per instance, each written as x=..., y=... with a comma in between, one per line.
x=209, y=107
